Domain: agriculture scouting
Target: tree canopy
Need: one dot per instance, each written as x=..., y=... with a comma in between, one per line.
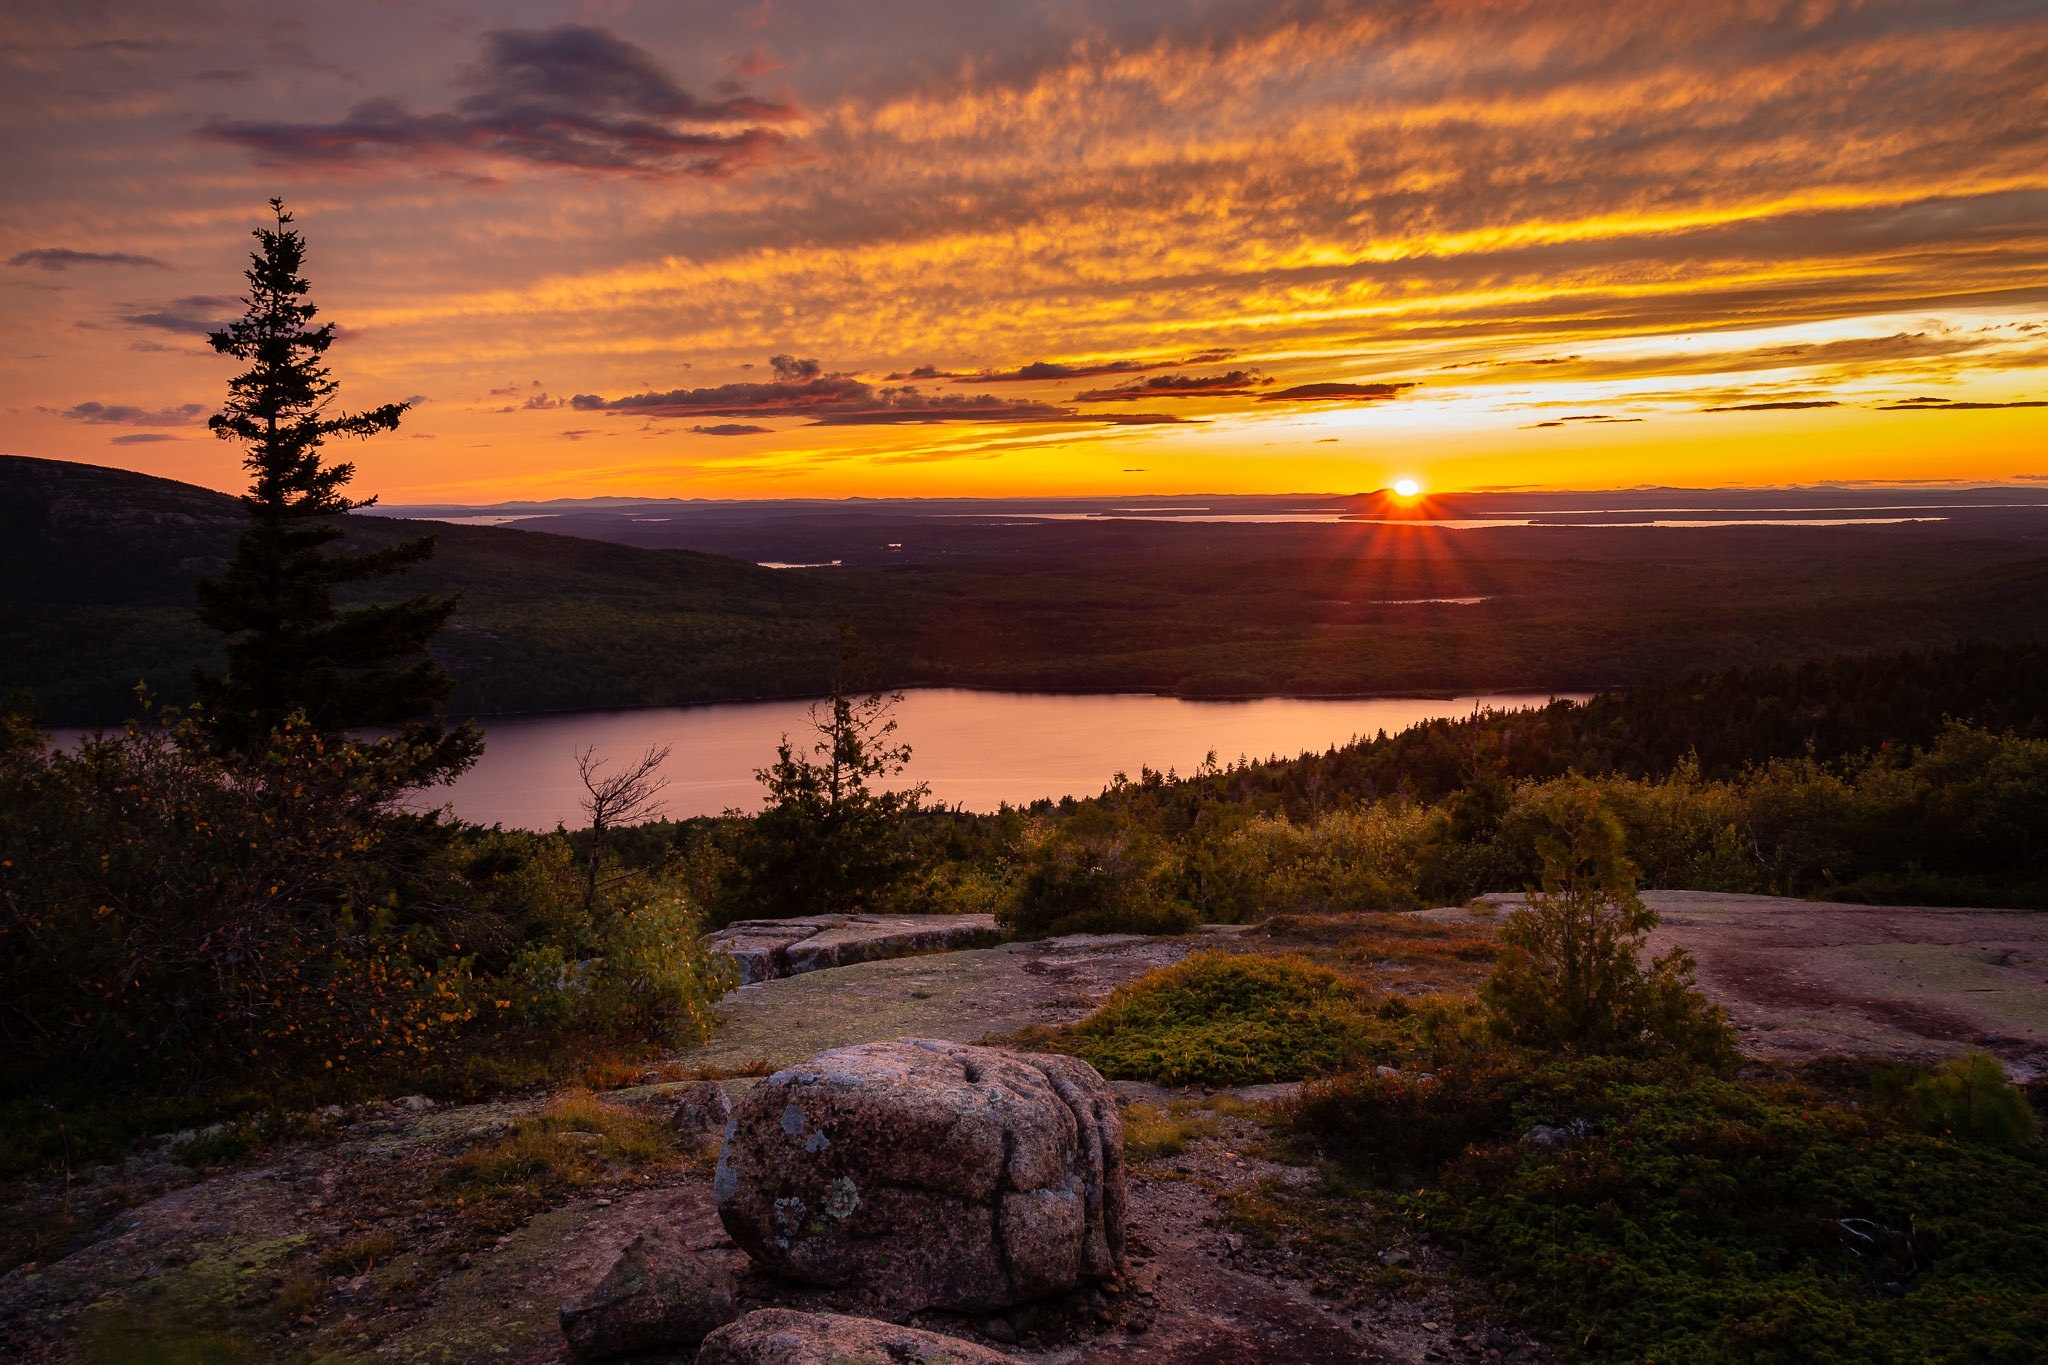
x=291, y=650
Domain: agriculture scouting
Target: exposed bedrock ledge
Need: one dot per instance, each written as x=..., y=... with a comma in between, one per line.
x=766, y=949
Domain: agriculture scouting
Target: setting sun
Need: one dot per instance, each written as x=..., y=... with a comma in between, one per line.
x=1407, y=488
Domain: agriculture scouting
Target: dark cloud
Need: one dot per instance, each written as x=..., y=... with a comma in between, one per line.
x=572, y=97
x=803, y=390
x=1337, y=393
x=1951, y=405
x=1231, y=383
x=136, y=438
x=1585, y=417
x=1042, y=370
x=127, y=415
x=193, y=315
x=905, y=404
x=1787, y=405
x=63, y=258
x=732, y=429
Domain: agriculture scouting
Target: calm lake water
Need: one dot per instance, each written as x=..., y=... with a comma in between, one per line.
x=976, y=749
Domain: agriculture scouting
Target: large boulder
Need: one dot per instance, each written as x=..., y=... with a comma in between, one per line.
x=781, y=1336
x=930, y=1174
x=656, y=1294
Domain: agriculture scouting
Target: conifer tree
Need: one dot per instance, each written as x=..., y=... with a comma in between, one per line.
x=828, y=842
x=290, y=649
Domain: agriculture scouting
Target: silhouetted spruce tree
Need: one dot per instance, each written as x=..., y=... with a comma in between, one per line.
x=827, y=842
x=290, y=649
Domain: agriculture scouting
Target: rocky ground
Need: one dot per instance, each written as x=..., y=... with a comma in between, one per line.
x=1804, y=979
x=353, y=1245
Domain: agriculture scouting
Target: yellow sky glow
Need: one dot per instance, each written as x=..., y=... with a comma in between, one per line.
x=1547, y=244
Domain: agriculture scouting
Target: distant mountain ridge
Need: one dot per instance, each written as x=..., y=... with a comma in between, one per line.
x=592, y=611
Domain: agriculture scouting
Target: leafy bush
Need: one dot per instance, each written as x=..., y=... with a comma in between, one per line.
x=1355, y=859
x=1225, y=1019
x=166, y=914
x=653, y=977
x=178, y=924
x=1968, y=1098
x=1098, y=874
x=1406, y=1121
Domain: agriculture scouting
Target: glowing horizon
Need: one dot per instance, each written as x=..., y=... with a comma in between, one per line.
x=1224, y=249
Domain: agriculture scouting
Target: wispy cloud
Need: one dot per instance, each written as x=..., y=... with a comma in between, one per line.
x=1337, y=393
x=1039, y=371
x=1956, y=405
x=63, y=258
x=802, y=389
x=1788, y=405
x=127, y=414
x=1231, y=383
x=1037, y=217
x=193, y=315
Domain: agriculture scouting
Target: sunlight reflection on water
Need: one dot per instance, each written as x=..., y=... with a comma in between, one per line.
x=976, y=749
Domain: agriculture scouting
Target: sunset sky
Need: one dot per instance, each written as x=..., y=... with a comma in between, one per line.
x=828, y=249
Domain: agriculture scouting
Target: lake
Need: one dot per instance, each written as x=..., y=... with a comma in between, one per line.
x=975, y=749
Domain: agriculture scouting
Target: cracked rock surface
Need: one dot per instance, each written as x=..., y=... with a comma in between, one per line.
x=932, y=1174
x=781, y=1336
x=770, y=949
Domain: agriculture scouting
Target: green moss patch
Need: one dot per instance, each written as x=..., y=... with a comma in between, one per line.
x=1671, y=1214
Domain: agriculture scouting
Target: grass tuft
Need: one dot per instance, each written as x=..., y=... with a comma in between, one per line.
x=1151, y=1132
x=360, y=1255
x=576, y=1140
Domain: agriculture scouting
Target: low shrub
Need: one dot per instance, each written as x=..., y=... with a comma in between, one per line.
x=1569, y=970
x=1967, y=1098
x=1227, y=1019
x=1700, y=1218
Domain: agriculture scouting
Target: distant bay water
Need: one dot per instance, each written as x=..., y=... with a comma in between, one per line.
x=975, y=749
